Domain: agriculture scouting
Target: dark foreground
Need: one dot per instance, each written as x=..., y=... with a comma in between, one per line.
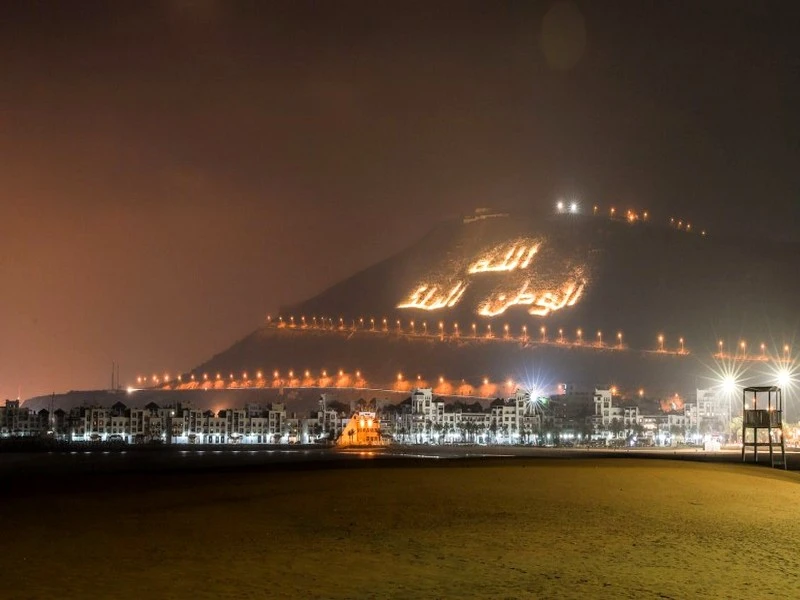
x=405, y=528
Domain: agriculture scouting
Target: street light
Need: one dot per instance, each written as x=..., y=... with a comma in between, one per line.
x=505, y=328
x=489, y=331
x=599, y=338
x=660, y=343
x=561, y=335
x=619, y=339
x=424, y=328
x=524, y=333
x=743, y=346
x=543, y=331
x=720, y=344
x=680, y=340
x=474, y=330
x=441, y=329
x=580, y=335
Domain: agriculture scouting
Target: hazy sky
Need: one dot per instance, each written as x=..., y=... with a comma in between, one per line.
x=170, y=172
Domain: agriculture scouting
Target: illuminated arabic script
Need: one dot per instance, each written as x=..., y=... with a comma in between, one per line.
x=496, y=261
x=541, y=304
x=432, y=297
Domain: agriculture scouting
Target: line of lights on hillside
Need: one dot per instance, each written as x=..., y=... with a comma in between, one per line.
x=543, y=335
x=727, y=378
x=452, y=330
x=630, y=215
x=322, y=378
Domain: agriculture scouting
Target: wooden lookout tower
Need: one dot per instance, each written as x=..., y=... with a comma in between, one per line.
x=769, y=417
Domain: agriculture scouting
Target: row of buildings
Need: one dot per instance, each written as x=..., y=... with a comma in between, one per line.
x=177, y=424
x=571, y=416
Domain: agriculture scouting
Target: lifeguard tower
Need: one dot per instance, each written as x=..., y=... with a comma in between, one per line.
x=769, y=417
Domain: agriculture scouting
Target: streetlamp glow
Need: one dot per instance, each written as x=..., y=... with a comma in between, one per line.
x=661, y=343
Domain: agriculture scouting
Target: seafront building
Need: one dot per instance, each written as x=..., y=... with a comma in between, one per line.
x=573, y=415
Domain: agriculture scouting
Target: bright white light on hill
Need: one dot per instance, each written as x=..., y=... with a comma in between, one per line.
x=573, y=208
x=560, y=206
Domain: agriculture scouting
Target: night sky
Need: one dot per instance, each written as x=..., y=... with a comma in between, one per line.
x=173, y=171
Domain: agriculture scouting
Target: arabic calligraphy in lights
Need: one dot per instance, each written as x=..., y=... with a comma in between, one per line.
x=518, y=256
x=542, y=304
x=434, y=297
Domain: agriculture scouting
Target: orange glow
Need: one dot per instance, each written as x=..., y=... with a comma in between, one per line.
x=544, y=302
x=506, y=257
x=428, y=297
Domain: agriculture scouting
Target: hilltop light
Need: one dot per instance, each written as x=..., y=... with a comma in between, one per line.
x=560, y=206
x=573, y=208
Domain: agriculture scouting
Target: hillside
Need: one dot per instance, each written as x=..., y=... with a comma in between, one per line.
x=637, y=279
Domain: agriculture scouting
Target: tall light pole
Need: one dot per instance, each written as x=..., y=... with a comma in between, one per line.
x=720, y=344
x=660, y=343
x=682, y=347
x=561, y=335
x=743, y=346
x=619, y=340
x=599, y=338
x=441, y=330
x=580, y=335
x=524, y=333
x=474, y=330
x=543, y=331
